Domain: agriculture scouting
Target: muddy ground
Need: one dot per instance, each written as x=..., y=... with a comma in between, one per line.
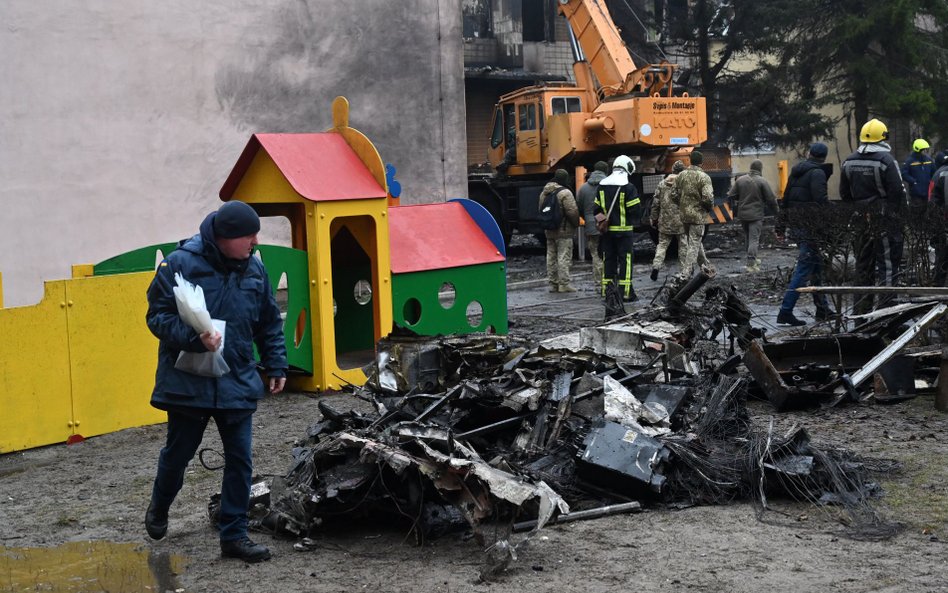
x=98, y=490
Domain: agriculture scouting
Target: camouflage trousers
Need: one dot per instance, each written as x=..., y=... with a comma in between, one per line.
x=559, y=256
x=694, y=250
x=664, y=241
x=592, y=244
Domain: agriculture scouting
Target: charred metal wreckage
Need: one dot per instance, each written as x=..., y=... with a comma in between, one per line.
x=497, y=437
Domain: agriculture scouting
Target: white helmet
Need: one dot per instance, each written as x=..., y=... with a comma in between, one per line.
x=625, y=163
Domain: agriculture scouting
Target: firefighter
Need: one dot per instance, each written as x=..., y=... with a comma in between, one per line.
x=917, y=171
x=618, y=199
x=870, y=180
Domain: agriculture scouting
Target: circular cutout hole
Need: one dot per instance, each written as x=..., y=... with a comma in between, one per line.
x=475, y=313
x=447, y=295
x=412, y=311
x=362, y=292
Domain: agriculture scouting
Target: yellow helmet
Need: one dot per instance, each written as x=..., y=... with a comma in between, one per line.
x=920, y=145
x=873, y=131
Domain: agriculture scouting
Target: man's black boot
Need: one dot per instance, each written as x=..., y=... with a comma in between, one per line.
x=787, y=318
x=824, y=313
x=654, y=274
x=156, y=521
x=244, y=549
x=631, y=298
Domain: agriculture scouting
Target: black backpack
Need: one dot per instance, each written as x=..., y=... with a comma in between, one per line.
x=551, y=215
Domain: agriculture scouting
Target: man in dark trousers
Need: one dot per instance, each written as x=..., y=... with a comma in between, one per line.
x=804, y=194
x=939, y=193
x=618, y=199
x=237, y=291
x=871, y=181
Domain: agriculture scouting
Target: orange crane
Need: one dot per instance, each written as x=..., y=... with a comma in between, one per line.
x=613, y=108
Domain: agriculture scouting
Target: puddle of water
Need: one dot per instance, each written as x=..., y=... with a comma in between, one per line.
x=83, y=567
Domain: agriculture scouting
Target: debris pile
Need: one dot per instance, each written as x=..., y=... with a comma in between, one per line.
x=485, y=434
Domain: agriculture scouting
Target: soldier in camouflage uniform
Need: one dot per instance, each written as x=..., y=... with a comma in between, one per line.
x=559, y=242
x=667, y=218
x=695, y=197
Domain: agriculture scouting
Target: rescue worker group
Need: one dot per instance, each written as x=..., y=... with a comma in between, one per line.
x=609, y=208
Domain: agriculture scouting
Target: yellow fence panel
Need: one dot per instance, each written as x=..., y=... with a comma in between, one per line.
x=35, y=405
x=112, y=353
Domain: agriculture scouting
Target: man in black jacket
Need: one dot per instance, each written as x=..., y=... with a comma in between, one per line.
x=806, y=189
x=871, y=181
x=939, y=193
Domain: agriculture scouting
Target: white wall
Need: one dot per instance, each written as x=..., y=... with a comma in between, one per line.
x=119, y=121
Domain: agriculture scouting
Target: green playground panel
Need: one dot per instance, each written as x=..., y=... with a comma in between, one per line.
x=418, y=306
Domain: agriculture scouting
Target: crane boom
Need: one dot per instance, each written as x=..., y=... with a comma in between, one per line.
x=597, y=35
x=606, y=53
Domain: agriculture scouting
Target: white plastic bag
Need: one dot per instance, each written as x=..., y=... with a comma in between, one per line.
x=193, y=311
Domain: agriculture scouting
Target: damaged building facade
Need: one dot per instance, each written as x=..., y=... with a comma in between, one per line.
x=121, y=121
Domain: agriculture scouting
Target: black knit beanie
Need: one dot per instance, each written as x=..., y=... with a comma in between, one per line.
x=236, y=219
x=561, y=177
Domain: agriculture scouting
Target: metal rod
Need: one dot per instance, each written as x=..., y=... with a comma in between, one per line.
x=492, y=427
x=920, y=290
x=889, y=351
x=613, y=509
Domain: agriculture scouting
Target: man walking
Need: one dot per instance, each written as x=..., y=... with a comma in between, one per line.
x=695, y=198
x=586, y=201
x=666, y=217
x=804, y=195
x=753, y=197
x=560, y=231
x=870, y=180
x=236, y=291
x=618, y=199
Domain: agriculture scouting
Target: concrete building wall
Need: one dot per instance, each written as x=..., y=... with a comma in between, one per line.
x=121, y=120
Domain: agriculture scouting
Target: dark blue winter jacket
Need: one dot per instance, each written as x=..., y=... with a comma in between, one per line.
x=236, y=291
x=917, y=171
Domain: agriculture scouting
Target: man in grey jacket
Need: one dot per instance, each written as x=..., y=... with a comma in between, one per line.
x=586, y=201
x=751, y=196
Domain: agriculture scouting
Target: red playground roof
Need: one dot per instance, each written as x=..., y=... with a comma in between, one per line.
x=435, y=237
x=320, y=167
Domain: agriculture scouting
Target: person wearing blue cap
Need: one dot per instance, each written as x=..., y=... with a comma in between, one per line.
x=806, y=188
x=236, y=291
